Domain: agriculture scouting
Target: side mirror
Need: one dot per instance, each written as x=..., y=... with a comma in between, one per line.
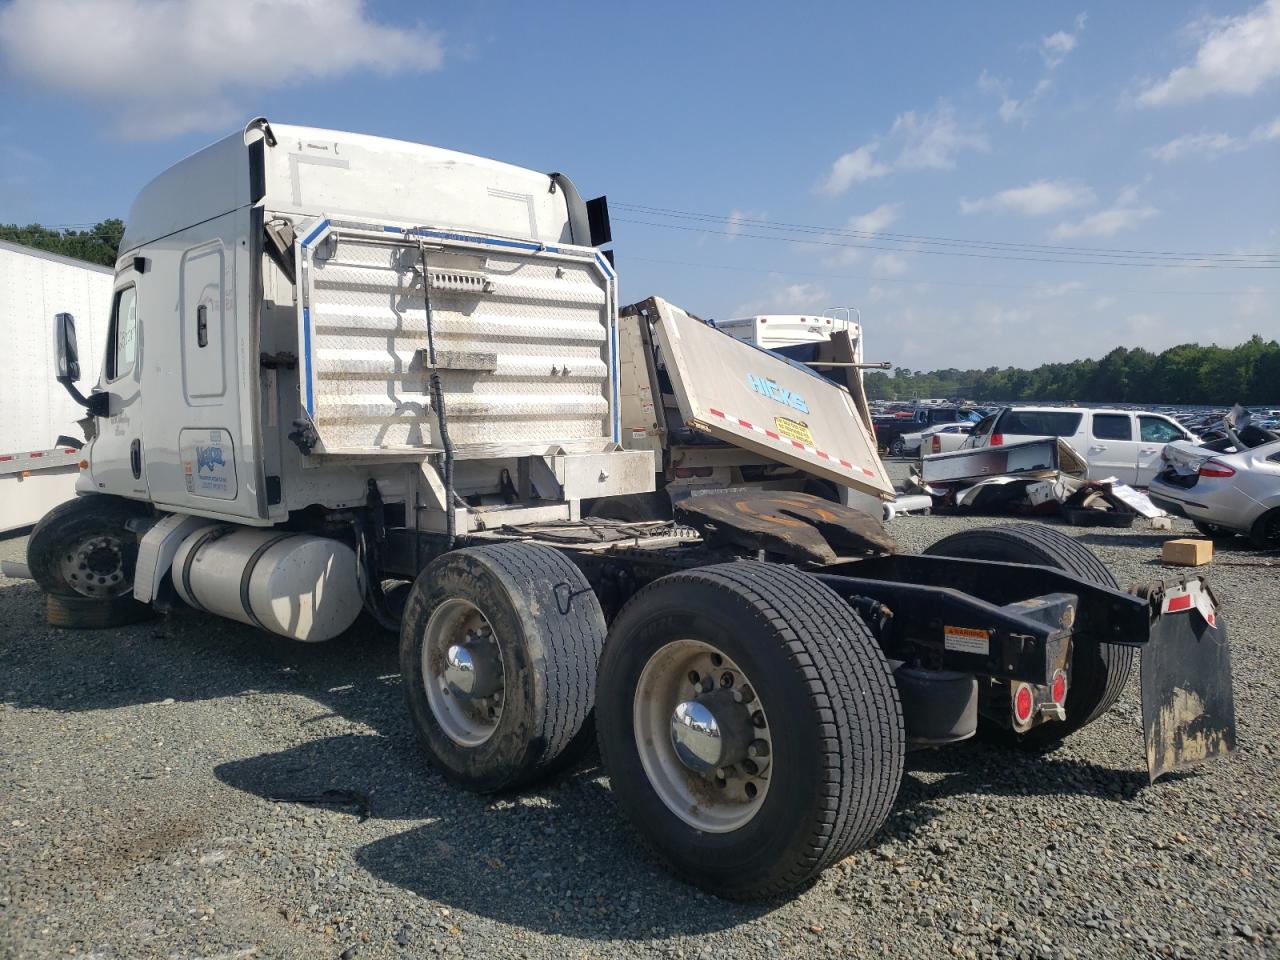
x=68, y=367
x=68, y=356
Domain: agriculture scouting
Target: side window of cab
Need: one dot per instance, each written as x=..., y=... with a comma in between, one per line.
x=123, y=351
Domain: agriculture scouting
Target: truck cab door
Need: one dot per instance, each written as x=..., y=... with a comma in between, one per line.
x=118, y=459
x=1112, y=450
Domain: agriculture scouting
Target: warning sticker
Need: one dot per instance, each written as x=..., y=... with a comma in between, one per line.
x=793, y=430
x=966, y=640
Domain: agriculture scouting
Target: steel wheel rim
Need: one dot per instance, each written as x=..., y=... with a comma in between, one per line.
x=467, y=721
x=710, y=803
x=96, y=568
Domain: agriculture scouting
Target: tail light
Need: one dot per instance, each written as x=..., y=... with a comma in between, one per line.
x=1059, y=687
x=936, y=445
x=1023, y=704
x=997, y=440
x=1216, y=468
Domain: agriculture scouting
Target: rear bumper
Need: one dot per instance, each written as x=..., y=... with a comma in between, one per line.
x=1173, y=507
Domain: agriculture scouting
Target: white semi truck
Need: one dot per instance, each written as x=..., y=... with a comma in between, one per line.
x=336, y=361
x=39, y=438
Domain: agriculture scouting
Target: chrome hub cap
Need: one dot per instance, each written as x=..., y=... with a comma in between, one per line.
x=95, y=568
x=462, y=672
x=703, y=736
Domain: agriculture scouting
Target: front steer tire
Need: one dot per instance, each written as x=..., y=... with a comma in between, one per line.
x=60, y=535
x=550, y=630
x=1098, y=671
x=833, y=714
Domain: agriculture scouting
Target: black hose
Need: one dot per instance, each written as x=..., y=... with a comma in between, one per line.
x=437, y=401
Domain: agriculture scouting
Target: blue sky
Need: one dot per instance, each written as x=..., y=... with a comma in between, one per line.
x=925, y=162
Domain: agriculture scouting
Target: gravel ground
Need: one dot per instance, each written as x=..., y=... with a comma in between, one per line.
x=153, y=785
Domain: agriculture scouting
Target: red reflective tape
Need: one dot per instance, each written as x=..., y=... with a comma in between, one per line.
x=36, y=453
x=771, y=435
x=867, y=472
x=1179, y=603
x=7, y=456
x=715, y=412
x=69, y=450
x=744, y=423
x=797, y=444
x=823, y=454
x=846, y=463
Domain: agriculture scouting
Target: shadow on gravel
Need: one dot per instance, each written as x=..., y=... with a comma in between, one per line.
x=981, y=770
x=546, y=859
x=187, y=656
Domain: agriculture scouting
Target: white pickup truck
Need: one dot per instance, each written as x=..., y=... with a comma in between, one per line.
x=1124, y=444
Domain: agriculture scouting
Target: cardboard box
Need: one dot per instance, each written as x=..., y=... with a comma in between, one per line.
x=1188, y=553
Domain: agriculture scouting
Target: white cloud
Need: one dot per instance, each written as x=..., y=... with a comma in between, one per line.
x=1105, y=223
x=743, y=218
x=928, y=141
x=1266, y=131
x=1208, y=144
x=889, y=265
x=932, y=140
x=1203, y=144
x=1055, y=47
x=785, y=298
x=1036, y=199
x=1102, y=303
x=852, y=167
x=160, y=67
x=1237, y=55
x=1054, y=291
x=877, y=220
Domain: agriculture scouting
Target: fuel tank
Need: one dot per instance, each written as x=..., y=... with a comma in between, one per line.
x=292, y=584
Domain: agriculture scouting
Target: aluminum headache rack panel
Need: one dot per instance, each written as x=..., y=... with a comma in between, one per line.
x=756, y=400
x=524, y=341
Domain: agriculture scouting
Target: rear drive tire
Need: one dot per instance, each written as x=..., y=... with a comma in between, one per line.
x=83, y=555
x=828, y=706
x=532, y=629
x=1098, y=671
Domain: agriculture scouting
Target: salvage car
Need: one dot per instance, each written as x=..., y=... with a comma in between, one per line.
x=1124, y=444
x=1223, y=494
x=913, y=443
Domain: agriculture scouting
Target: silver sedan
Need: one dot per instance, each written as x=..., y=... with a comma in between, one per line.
x=1223, y=493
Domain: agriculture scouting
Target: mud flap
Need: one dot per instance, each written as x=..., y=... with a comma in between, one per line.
x=1188, y=713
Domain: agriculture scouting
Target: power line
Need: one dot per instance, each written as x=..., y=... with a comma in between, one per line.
x=948, y=283
x=921, y=239
x=956, y=253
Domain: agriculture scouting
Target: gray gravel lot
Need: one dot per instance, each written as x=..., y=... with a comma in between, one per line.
x=146, y=774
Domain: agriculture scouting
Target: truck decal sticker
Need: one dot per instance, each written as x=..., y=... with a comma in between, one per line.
x=967, y=640
x=794, y=430
x=768, y=388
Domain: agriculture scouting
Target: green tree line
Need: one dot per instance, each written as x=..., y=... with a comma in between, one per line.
x=1185, y=374
x=98, y=244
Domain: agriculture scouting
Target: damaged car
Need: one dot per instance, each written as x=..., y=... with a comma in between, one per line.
x=1223, y=494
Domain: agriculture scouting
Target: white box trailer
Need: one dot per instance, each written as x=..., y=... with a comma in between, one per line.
x=36, y=472
x=335, y=361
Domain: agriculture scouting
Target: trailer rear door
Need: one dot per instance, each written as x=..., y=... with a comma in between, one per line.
x=754, y=399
